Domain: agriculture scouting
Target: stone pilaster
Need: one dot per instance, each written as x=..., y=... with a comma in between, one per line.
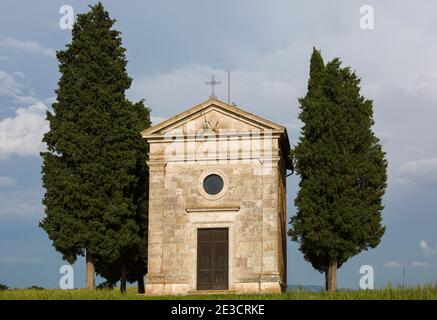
x=155, y=276
x=270, y=277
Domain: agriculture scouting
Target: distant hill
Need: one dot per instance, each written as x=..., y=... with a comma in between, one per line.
x=298, y=287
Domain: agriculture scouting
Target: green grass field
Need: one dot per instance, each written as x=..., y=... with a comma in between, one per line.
x=418, y=293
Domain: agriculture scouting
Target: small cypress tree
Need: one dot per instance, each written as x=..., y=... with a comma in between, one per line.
x=94, y=171
x=342, y=169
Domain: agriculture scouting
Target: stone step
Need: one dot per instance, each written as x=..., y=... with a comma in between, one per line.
x=211, y=292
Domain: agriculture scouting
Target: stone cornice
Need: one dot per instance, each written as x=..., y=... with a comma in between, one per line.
x=212, y=209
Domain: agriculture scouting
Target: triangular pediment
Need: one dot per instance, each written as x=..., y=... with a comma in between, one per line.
x=216, y=113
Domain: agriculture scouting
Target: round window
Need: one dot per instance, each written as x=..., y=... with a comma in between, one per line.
x=213, y=184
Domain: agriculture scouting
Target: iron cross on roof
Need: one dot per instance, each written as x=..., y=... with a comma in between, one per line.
x=212, y=83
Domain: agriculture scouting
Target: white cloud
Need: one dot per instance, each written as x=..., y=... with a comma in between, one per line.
x=420, y=264
x=6, y=182
x=414, y=264
x=50, y=100
x=31, y=47
x=9, y=86
x=13, y=88
x=21, y=135
x=421, y=85
x=422, y=172
x=392, y=264
x=423, y=245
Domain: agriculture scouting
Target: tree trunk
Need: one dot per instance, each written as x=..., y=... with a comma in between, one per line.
x=331, y=275
x=141, y=288
x=90, y=272
x=123, y=277
x=326, y=278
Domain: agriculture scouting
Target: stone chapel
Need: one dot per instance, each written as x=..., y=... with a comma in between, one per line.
x=217, y=206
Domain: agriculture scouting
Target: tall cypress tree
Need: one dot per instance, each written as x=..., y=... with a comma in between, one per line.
x=342, y=169
x=94, y=171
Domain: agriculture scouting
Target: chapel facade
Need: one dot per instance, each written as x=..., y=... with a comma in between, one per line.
x=217, y=202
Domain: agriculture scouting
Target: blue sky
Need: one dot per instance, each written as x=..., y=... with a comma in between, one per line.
x=174, y=46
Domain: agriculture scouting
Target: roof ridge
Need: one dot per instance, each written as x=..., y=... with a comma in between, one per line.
x=205, y=104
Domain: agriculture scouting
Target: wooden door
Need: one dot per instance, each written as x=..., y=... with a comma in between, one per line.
x=212, y=259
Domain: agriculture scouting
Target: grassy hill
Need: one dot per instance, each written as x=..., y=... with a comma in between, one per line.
x=428, y=292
